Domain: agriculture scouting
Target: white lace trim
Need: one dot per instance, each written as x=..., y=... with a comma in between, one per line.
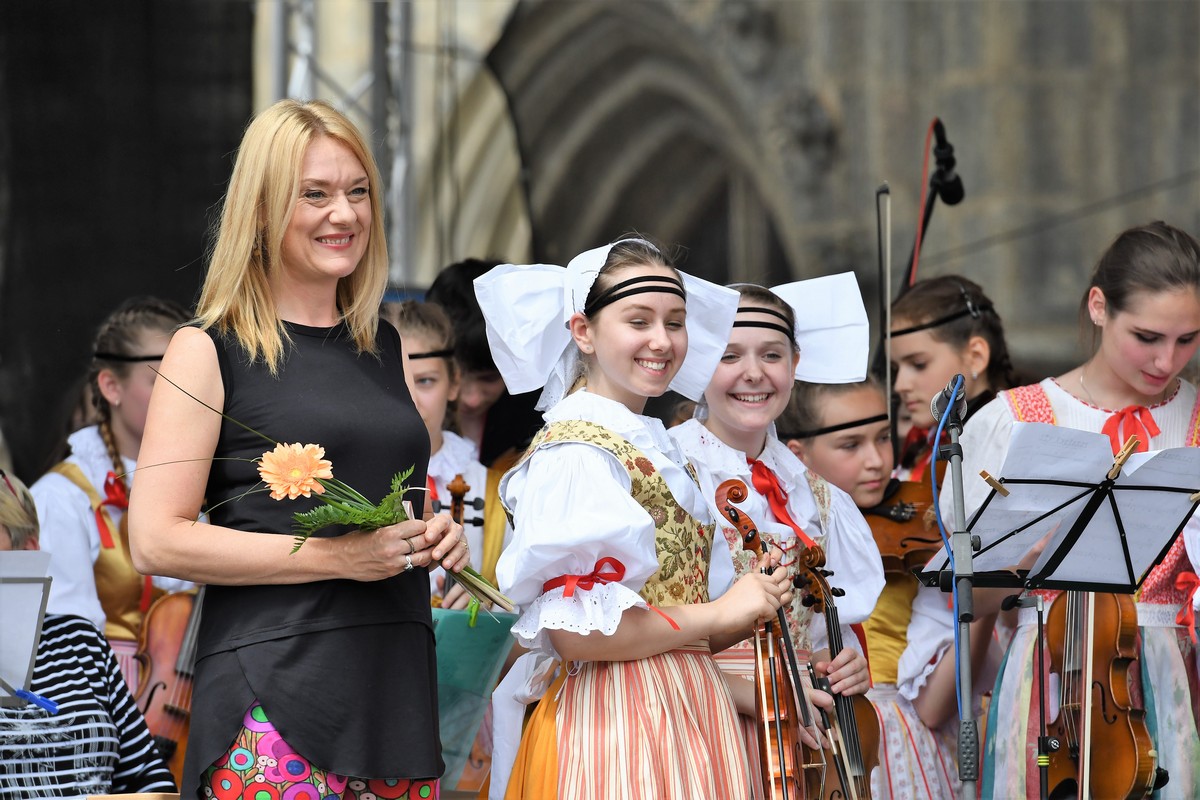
x=597, y=609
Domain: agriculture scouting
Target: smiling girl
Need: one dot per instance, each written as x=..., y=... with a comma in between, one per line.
x=792, y=506
x=610, y=556
x=1143, y=305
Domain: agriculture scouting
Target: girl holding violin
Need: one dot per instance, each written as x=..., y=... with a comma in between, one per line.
x=733, y=436
x=1143, y=307
x=612, y=537
x=841, y=432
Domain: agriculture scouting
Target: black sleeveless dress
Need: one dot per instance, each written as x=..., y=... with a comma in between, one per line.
x=344, y=669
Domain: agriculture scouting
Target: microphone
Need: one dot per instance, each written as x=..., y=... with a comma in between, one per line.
x=948, y=396
x=947, y=182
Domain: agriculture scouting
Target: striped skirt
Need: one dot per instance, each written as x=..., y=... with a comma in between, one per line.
x=913, y=760
x=663, y=726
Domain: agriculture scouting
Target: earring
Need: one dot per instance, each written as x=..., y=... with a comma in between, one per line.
x=974, y=375
x=587, y=349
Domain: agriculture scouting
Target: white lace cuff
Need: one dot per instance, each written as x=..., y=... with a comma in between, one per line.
x=597, y=609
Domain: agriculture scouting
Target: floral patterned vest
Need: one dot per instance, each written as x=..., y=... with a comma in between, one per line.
x=682, y=542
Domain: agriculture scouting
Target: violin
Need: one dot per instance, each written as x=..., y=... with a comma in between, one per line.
x=854, y=728
x=1092, y=641
x=167, y=655
x=790, y=769
x=900, y=526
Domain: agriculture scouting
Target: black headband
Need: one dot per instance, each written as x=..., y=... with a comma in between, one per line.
x=432, y=354
x=128, y=359
x=615, y=293
x=971, y=310
x=835, y=428
x=789, y=333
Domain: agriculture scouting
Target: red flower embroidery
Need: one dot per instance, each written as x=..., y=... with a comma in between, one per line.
x=644, y=464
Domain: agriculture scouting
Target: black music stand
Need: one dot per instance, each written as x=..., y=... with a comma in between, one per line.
x=1110, y=520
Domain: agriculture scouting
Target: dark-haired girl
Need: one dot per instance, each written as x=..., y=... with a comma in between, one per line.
x=81, y=501
x=941, y=327
x=1143, y=305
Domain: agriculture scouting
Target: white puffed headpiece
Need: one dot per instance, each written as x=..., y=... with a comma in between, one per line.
x=527, y=308
x=832, y=330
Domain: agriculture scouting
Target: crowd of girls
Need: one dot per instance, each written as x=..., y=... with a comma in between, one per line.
x=315, y=672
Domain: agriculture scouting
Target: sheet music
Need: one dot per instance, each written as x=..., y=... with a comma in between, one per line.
x=1041, y=452
x=23, y=590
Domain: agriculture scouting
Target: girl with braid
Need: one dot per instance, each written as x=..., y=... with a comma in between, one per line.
x=81, y=501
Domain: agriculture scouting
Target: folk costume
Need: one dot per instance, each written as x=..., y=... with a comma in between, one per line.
x=793, y=506
x=607, y=516
x=457, y=456
x=1164, y=604
x=81, y=510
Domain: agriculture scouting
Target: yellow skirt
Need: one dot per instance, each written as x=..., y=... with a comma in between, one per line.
x=663, y=726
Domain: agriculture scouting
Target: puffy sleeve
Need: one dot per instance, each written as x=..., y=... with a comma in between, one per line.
x=573, y=515
x=984, y=443
x=930, y=636
x=853, y=557
x=69, y=535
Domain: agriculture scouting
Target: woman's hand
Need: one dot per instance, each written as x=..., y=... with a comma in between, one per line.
x=848, y=673
x=382, y=553
x=457, y=598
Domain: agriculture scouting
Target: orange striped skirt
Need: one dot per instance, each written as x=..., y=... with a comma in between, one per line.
x=664, y=726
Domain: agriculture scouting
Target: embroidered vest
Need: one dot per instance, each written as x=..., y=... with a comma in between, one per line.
x=682, y=543
x=124, y=593
x=1032, y=404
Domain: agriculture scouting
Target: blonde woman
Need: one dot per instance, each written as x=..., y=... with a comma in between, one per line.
x=314, y=670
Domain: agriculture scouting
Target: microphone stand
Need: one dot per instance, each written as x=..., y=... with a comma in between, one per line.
x=963, y=545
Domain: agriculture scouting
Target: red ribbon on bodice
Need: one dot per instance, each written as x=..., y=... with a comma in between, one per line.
x=767, y=484
x=115, y=495
x=607, y=570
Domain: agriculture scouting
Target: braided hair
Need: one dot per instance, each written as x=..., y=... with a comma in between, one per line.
x=117, y=341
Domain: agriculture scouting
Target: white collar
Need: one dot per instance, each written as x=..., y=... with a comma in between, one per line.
x=644, y=432
x=455, y=452
x=702, y=445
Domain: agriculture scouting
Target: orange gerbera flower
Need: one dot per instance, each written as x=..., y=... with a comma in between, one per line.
x=292, y=470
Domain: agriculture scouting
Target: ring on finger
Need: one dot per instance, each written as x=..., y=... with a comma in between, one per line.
x=412, y=548
x=408, y=564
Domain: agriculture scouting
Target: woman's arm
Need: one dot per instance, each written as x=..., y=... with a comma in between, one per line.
x=177, y=448
x=937, y=701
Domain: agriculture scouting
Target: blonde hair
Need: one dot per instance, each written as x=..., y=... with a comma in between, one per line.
x=257, y=209
x=18, y=513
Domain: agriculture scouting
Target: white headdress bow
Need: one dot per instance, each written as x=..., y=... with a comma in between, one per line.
x=527, y=307
x=831, y=328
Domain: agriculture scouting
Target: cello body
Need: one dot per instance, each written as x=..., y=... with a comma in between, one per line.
x=166, y=652
x=1124, y=760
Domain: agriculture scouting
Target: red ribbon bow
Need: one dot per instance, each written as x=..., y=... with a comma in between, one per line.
x=1131, y=421
x=767, y=484
x=1188, y=583
x=596, y=576
x=607, y=570
x=116, y=496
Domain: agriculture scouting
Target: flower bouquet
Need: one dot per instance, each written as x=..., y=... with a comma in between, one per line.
x=294, y=470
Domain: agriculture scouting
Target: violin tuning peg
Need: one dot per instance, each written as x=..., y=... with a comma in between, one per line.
x=826, y=572
x=808, y=601
x=836, y=592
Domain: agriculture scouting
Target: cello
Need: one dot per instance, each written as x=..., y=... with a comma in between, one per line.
x=790, y=769
x=167, y=655
x=854, y=728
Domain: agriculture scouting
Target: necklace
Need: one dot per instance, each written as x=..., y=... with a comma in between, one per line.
x=1083, y=386
x=1092, y=400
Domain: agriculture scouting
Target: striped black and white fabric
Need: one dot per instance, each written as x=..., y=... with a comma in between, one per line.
x=96, y=743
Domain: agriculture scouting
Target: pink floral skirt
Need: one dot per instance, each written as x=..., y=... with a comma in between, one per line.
x=260, y=765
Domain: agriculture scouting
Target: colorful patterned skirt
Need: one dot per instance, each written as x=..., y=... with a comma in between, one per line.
x=662, y=726
x=913, y=760
x=1010, y=746
x=260, y=765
